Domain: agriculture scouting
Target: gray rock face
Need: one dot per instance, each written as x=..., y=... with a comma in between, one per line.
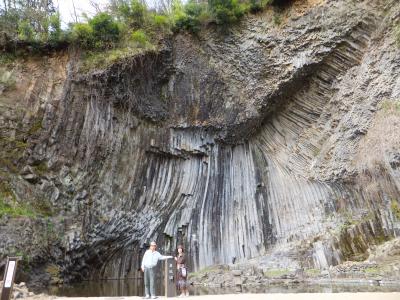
x=238, y=145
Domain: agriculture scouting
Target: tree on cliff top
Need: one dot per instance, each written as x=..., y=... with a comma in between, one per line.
x=37, y=23
x=227, y=11
x=27, y=18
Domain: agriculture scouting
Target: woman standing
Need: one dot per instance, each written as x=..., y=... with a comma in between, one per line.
x=181, y=272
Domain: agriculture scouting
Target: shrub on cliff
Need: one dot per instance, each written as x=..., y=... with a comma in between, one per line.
x=138, y=12
x=34, y=23
x=100, y=32
x=227, y=11
x=258, y=5
x=132, y=12
x=56, y=33
x=105, y=30
x=7, y=79
x=161, y=21
x=82, y=34
x=40, y=26
x=192, y=17
x=140, y=38
x=25, y=31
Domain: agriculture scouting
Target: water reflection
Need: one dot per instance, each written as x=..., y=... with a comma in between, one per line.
x=105, y=288
x=134, y=287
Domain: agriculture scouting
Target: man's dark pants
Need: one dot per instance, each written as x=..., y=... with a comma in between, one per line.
x=149, y=281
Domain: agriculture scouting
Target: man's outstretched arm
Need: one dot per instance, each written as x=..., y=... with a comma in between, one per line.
x=164, y=257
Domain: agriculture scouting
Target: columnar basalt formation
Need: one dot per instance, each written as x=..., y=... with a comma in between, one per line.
x=237, y=144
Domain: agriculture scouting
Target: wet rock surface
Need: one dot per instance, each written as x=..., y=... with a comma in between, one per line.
x=252, y=143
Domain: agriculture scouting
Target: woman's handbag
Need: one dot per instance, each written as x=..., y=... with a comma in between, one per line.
x=183, y=271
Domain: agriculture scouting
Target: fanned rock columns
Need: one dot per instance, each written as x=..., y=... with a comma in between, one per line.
x=239, y=145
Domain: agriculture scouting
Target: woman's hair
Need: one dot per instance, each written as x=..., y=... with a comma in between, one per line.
x=180, y=247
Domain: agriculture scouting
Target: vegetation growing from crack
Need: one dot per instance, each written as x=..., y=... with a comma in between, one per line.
x=7, y=80
x=10, y=205
x=390, y=106
x=276, y=272
x=312, y=272
x=395, y=207
x=397, y=35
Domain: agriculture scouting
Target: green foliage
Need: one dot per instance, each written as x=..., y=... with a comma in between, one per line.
x=15, y=210
x=25, y=31
x=371, y=270
x=41, y=168
x=140, y=37
x=312, y=272
x=124, y=24
x=390, y=106
x=192, y=16
x=178, y=11
x=9, y=21
x=277, y=18
x=133, y=12
x=273, y=273
x=7, y=79
x=123, y=11
x=258, y=5
x=36, y=127
x=42, y=208
x=9, y=206
x=398, y=36
x=161, y=21
x=227, y=11
x=105, y=30
x=82, y=33
x=34, y=22
x=101, y=59
x=100, y=32
x=7, y=58
x=55, y=28
x=395, y=209
x=138, y=12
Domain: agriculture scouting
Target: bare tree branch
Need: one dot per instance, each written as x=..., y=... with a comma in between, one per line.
x=164, y=6
x=5, y=6
x=76, y=16
x=96, y=6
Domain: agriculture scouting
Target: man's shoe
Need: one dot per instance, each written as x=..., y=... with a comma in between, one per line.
x=146, y=297
x=154, y=297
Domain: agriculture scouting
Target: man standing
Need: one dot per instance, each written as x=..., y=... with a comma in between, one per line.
x=149, y=262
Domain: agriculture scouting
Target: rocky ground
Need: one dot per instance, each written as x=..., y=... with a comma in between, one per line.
x=382, y=266
x=20, y=291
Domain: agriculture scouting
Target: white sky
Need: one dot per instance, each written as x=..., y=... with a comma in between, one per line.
x=66, y=8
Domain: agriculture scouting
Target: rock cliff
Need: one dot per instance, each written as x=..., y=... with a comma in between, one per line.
x=270, y=141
